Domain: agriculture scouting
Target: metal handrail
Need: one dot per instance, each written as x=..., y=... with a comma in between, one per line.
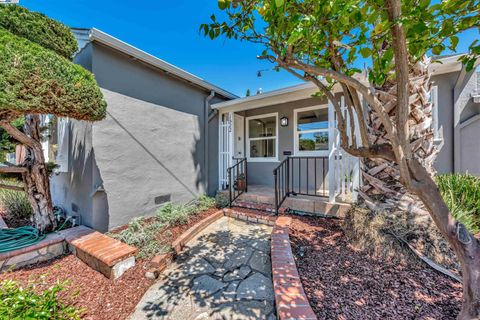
x=233, y=173
x=281, y=175
x=288, y=177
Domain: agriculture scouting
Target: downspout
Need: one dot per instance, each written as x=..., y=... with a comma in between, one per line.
x=207, y=118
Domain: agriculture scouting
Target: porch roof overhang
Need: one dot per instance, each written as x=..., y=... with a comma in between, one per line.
x=440, y=65
x=284, y=95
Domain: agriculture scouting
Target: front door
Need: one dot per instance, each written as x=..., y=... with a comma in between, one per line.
x=239, y=136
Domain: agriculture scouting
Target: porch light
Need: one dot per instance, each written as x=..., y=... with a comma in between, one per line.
x=284, y=121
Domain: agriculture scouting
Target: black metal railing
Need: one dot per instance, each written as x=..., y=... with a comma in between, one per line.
x=237, y=179
x=281, y=175
x=300, y=175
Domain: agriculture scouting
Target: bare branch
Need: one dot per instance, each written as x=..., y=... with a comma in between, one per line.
x=10, y=187
x=17, y=134
x=13, y=169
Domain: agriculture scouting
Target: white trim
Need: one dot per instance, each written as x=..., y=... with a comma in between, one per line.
x=110, y=41
x=248, y=139
x=435, y=112
x=297, y=152
x=470, y=121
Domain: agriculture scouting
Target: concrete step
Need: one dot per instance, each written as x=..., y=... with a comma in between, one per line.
x=307, y=204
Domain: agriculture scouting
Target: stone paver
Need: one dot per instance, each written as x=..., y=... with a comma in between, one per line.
x=223, y=273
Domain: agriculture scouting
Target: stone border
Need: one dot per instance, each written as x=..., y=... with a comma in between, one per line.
x=54, y=245
x=290, y=299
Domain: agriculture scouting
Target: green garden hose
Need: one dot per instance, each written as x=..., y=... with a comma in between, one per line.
x=17, y=238
x=13, y=239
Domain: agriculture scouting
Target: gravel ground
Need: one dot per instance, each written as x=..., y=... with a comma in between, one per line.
x=87, y=289
x=343, y=283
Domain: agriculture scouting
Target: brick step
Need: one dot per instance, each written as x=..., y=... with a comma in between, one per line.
x=258, y=206
x=102, y=253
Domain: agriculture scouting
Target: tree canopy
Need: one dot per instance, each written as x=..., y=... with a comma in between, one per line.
x=346, y=31
x=38, y=28
x=36, y=75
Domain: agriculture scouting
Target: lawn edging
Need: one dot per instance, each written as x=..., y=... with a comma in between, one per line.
x=290, y=299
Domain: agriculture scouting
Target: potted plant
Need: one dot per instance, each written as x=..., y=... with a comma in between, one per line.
x=241, y=182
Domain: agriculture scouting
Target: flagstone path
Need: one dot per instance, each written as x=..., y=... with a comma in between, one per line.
x=223, y=273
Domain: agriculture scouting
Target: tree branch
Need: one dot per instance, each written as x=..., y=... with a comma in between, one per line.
x=17, y=134
x=10, y=187
x=12, y=169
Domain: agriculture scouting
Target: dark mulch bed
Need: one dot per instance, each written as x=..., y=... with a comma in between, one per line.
x=100, y=297
x=344, y=283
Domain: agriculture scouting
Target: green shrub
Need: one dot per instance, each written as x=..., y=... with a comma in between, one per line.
x=221, y=200
x=146, y=234
x=143, y=236
x=15, y=203
x=17, y=302
x=175, y=214
x=461, y=192
x=34, y=79
x=205, y=202
x=38, y=28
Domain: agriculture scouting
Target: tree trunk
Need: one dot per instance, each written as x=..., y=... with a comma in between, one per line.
x=36, y=180
x=380, y=175
x=465, y=246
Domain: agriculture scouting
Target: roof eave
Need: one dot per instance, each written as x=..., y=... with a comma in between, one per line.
x=110, y=41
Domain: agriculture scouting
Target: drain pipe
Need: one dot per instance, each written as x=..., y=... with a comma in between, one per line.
x=206, y=117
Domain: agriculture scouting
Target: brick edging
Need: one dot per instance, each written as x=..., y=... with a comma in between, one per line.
x=259, y=217
x=188, y=235
x=160, y=262
x=290, y=299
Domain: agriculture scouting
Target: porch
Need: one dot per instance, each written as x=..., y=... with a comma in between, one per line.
x=262, y=198
x=284, y=145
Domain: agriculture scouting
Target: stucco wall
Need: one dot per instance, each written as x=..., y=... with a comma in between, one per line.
x=150, y=145
x=445, y=84
x=261, y=173
x=470, y=146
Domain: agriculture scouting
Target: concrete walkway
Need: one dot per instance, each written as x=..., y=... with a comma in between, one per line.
x=223, y=273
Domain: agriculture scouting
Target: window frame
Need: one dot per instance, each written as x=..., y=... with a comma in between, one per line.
x=248, y=139
x=296, y=133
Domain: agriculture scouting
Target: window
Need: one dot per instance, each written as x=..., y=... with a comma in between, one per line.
x=262, y=137
x=311, y=130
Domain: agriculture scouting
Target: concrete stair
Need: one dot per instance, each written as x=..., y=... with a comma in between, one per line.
x=308, y=204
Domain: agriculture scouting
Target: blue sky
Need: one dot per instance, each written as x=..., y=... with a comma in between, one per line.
x=169, y=30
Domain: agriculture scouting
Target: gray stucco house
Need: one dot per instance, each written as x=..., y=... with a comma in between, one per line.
x=170, y=136
x=252, y=127
x=158, y=142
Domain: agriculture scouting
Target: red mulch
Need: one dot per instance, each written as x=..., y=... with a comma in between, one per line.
x=100, y=297
x=343, y=283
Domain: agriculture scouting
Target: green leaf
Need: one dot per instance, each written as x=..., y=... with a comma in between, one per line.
x=366, y=52
x=436, y=50
x=223, y=4
x=453, y=42
x=279, y=3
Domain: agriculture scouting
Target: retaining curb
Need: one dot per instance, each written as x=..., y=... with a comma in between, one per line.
x=290, y=299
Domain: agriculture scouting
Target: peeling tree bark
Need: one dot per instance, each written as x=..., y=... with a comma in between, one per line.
x=34, y=172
